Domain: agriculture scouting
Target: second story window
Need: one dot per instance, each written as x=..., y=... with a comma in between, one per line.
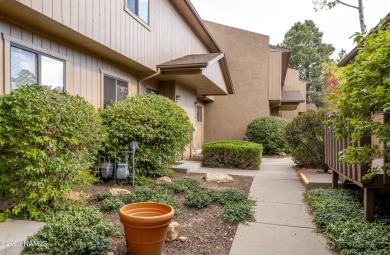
x=140, y=8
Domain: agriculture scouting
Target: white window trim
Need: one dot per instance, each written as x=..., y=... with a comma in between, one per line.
x=114, y=75
x=8, y=40
x=138, y=19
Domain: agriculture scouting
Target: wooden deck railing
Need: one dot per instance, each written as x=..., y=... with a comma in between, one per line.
x=353, y=172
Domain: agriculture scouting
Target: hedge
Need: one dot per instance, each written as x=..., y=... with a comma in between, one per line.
x=269, y=132
x=232, y=154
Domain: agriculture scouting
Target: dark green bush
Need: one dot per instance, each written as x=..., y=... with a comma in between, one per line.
x=100, y=196
x=339, y=213
x=77, y=231
x=161, y=127
x=199, y=199
x=305, y=136
x=239, y=212
x=227, y=196
x=111, y=205
x=232, y=154
x=269, y=132
x=48, y=142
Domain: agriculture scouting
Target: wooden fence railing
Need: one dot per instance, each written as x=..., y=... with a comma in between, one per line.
x=353, y=172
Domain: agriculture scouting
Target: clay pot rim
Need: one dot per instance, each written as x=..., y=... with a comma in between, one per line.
x=142, y=219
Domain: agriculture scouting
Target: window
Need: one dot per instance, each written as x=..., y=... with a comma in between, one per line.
x=114, y=90
x=32, y=67
x=139, y=8
x=199, y=117
x=151, y=91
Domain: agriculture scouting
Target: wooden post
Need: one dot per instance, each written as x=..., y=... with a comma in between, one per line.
x=368, y=204
x=335, y=180
x=386, y=158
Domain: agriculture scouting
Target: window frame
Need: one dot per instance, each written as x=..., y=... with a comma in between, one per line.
x=116, y=77
x=199, y=109
x=136, y=16
x=39, y=55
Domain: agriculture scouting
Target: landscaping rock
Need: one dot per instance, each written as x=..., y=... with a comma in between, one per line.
x=116, y=192
x=173, y=231
x=219, y=178
x=164, y=179
x=183, y=239
x=110, y=253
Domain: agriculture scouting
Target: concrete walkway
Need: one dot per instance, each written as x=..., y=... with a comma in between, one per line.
x=283, y=225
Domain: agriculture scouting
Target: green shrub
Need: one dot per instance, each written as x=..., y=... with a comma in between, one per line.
x=239, y=212
x=232, y=154
x=151, y=194
x=307, y=131
x=199, y=199
x=339, y=213
x=160, y=126
x=269, y=132
x=226, y=196
x=48, y=142
x=76, y=231
x=100, y=196
x=111, y=205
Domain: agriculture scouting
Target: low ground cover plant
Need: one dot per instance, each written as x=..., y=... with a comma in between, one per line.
x=48, y=140
x=161, y=127
x=269, y=132
x=339, y=214
x=237, y=206
x=232, y=154
x=307, y=131
x=74, y=231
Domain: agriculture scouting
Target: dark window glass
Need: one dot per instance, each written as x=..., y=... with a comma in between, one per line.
x=199, y=115
x=139, y=8
x=148, y=91
x=115, y=90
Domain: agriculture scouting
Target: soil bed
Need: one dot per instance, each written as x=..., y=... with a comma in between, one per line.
x=205, y=229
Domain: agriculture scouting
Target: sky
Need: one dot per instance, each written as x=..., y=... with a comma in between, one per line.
x=275, y=17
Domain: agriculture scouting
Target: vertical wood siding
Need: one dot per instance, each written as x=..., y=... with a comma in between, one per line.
x=106, y=21
x=83, y=76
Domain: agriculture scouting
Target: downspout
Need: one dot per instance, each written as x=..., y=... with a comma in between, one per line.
x=147, y=78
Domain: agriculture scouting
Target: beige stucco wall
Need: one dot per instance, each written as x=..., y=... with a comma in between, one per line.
x=293, y=82
x=247, y=55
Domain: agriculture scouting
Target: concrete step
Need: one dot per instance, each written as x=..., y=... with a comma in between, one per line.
x=14, y=233
x=315, y=181
x=186, y=166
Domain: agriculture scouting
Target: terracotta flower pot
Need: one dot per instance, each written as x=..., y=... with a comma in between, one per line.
x=146, y=226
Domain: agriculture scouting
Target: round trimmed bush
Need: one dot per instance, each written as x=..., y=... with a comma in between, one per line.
x=160, y=126
x=307, y=131
x=48, y=142
x=268, y=131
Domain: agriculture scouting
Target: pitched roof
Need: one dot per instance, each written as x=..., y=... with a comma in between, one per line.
x=293, y=96
x=191, y=61
x=311, y=107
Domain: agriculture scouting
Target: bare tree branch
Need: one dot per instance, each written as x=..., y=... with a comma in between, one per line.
x=338, y=1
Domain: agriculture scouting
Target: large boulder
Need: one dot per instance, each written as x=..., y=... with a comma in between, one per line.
x=219, y=178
